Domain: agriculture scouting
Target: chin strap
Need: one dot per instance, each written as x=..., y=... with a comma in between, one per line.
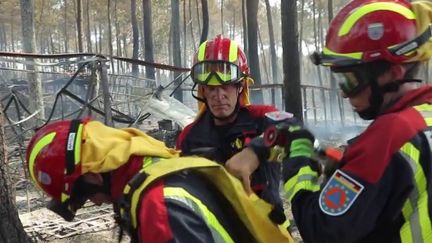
x=377, y=96
x=394, y=86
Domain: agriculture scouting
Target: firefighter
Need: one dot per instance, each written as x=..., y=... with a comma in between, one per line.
x=226, y=121
x=157, y=196
x=380, y=192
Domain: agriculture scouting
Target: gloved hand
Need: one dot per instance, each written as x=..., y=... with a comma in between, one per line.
x=296, y=140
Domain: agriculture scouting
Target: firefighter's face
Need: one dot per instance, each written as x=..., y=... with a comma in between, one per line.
x=97, y=198
x=100, y=198
x=359, y=101
x=221, y=99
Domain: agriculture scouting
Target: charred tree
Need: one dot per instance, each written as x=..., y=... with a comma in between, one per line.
x=291, y=61
x=245, y=30
x=65, y=27
x=176, y=52
x=205, y=17
x=135, y=36
x=252, y=27
x=87, y=30
x=148, y=38
x=79, y=26
x=274, y=64
x=28, y=41
x=11, y=228
x=110, y=42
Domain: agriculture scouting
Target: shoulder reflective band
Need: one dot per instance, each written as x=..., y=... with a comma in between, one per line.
x=181, y=195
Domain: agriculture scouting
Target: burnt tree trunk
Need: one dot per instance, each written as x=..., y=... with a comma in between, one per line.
x=291, y=61
x=11, y=229
x=205, y=17
x=274, y=64
x=135, y=37
x=148, y=38
x=28, y=44
x=79, y=26
x=252, y=35
x=176, y=50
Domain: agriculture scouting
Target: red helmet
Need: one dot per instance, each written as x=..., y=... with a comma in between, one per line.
x=219, y=61
x=53, y=158
x=371, y=30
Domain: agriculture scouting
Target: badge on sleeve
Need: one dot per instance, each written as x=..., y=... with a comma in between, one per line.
x=339, y=194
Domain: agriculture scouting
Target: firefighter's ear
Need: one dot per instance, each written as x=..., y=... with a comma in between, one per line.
x=241, y=88
x=398, y=71
x=395, y=72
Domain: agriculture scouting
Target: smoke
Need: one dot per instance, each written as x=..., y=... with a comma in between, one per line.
x=336, y=134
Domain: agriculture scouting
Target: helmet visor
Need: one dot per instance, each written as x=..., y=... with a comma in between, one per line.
x=320, y=58
x=215, y=73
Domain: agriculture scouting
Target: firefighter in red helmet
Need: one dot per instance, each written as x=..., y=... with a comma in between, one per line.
x=157, y=196
x=226, y=121
x=381, y=190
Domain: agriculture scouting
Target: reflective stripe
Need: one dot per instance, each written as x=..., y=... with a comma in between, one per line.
x=301, y=147
x=372, y=7
x=77, y=149
x=253, y=212
x=64, y=197
x=151, y=170
x=426, y=111
x=136, y=194
x=44, y=141
x=201, y=51
x=286, y=224
x=353, y=55
x=306, y=179
x=233, y=51
x=417, y=227
x=147, y=161
x=179, y=194
x=423, y=107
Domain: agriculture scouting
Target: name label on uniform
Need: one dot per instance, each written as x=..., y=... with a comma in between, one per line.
x=339, y=194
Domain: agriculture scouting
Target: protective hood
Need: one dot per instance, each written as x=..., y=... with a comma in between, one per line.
x=423, y=12
x=105, y=148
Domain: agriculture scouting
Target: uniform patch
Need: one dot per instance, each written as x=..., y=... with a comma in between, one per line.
x=339, y=194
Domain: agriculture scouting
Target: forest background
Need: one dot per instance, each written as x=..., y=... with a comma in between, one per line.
x=276, y=35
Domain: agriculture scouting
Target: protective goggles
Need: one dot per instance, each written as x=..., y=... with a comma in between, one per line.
x=352, y=80
x=349, y=83
x=216, y=73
